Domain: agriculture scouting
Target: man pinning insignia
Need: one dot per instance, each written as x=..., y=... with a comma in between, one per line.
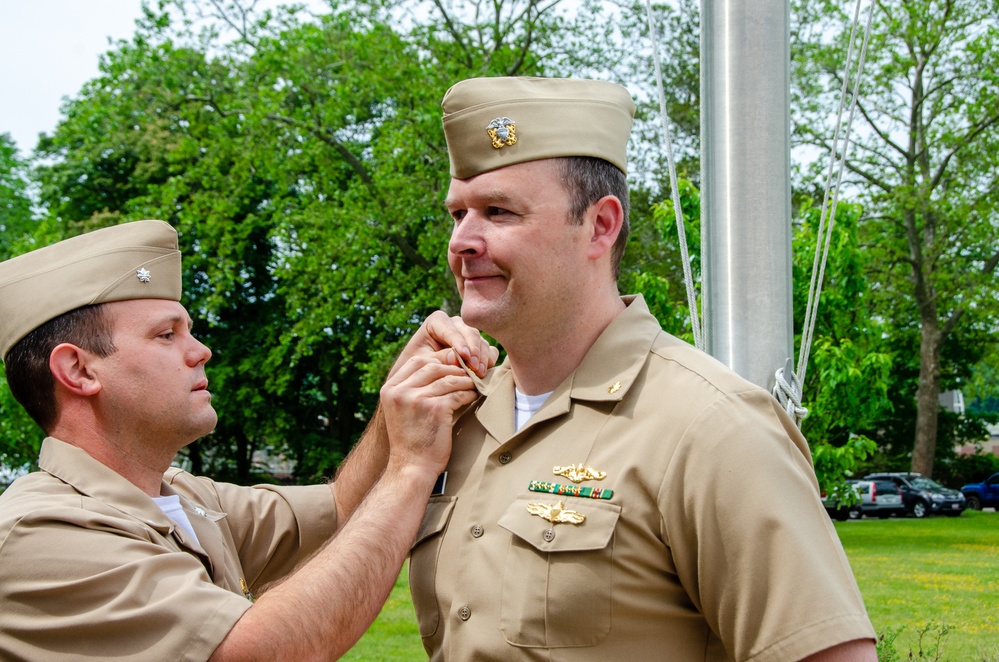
x=108, y=553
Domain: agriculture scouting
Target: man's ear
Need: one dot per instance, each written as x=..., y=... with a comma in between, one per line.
x=606, y=216
x=72, y=369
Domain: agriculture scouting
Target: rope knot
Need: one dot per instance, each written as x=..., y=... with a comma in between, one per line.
x=788, y=390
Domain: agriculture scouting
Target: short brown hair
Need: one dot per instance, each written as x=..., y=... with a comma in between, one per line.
x=587, y=179
x=27, y=363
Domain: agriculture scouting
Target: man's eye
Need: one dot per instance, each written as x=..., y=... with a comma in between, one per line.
x=169, y=335
x=458, y=214
x=496, y=211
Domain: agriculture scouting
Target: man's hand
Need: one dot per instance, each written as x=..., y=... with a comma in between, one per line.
x=440, y=332
x=432, y=343
x=324, y=607
x=419, y=400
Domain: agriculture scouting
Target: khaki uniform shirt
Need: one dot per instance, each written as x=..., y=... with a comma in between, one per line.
x=712, y=545
x=90, y=567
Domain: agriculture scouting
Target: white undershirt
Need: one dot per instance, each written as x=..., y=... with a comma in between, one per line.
x=170, y=505
x=527, y=405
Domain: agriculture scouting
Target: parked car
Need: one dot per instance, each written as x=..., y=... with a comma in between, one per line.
x=984, y=494
x=880, y=498
x=877, y=498
x=923, y=496
x=838, y=510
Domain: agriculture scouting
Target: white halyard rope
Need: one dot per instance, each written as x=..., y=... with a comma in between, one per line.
x=688, y=278
x=824, y=235
x=788, y=390
x=788, y=385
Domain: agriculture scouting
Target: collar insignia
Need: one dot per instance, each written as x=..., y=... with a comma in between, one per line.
x=502, y=132
x=578, y=474
x=556, y=513
x=614, y=388
x=246, y=590
x=143, y=275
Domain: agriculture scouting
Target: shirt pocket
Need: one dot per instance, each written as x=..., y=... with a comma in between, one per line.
x=558, y=579
x=423, y=559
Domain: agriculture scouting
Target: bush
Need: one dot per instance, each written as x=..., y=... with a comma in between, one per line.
x=929, y=645
x=963, y=469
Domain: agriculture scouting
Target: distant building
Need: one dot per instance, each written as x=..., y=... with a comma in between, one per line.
x=989, y=445
x=952, y=401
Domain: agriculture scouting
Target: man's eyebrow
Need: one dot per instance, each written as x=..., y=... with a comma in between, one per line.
x=491, y=198
x=174, y=319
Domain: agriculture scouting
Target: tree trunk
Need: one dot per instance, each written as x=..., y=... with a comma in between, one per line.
x=194, y=455
x=244, y=454
x=927, y=396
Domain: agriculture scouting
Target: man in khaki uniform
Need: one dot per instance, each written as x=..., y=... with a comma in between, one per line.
x=107, y=553
x=614, y=494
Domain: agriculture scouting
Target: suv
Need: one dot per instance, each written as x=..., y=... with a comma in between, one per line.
x=839, y=511
x=880, y=498
x=877, y=498
x=984, y=494
x=923, y=496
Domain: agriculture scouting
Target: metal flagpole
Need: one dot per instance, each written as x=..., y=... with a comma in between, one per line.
x=745, y=185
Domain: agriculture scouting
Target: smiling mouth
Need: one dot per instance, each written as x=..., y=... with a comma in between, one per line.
x=479, y=279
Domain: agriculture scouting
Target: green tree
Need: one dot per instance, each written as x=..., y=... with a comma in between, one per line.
x=301, y=159
x=16, y=221
x=923, y=166
x=848, y=379
x=19, y=436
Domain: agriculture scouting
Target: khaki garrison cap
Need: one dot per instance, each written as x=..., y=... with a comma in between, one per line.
x=136, y=260
x=491, y=123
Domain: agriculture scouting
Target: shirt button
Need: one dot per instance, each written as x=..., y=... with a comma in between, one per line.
x=464, y=613
x=505, y=457
x=477, y=531
x=549, y=535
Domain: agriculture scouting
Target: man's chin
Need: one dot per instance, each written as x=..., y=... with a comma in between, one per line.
x=210, y=423
x=478, y=315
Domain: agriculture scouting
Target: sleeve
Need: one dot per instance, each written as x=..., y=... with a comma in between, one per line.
x=751, y=541
x=71, y=589
x=274, y=528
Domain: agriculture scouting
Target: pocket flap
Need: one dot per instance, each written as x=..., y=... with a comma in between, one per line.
x=594, y=532
x=435, y=517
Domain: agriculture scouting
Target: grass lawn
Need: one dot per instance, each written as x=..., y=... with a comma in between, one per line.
x=938, y=571
x=942, y=570
x=393, y=636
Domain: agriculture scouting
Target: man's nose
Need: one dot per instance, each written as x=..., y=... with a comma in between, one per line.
x=199, y=352
x=466, y=237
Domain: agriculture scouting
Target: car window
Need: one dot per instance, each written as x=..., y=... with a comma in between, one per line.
x=927, y=484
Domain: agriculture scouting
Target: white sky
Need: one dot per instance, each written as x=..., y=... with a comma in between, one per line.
x=48, y=49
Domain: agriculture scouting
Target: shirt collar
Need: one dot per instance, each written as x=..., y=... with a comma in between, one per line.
x=606, y=373
x=610, y=366
x=75, y=467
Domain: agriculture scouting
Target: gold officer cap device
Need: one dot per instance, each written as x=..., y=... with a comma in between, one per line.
x=137, y=260
x=491, y=123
